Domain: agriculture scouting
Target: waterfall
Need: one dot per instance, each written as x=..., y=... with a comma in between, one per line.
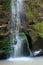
x=19, y=9
x=16, y=8
x=18, y=47
x=13, y=20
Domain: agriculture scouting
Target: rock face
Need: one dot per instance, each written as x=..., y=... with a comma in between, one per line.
x=4, y=18
x=32, y=21
x=4, y=31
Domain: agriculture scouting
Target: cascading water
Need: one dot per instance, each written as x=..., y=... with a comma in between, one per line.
x=18, y=47
x=13, y=21
x=16, y=7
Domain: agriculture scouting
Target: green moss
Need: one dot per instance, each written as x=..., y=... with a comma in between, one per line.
x=30, y=14
x=25, y=40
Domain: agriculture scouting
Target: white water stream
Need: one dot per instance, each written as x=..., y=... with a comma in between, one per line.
x=16, y=9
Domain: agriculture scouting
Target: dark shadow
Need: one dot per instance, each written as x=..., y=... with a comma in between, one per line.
x=28, y=37
x=29, y=40
x=38, y=44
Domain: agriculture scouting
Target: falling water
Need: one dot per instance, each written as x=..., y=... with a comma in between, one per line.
x=19, y=9
x=13, y=20
x=16, y=7
x=18, y=47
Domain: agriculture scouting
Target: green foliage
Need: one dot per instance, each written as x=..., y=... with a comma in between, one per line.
x=5, y=45
x=6, y=4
